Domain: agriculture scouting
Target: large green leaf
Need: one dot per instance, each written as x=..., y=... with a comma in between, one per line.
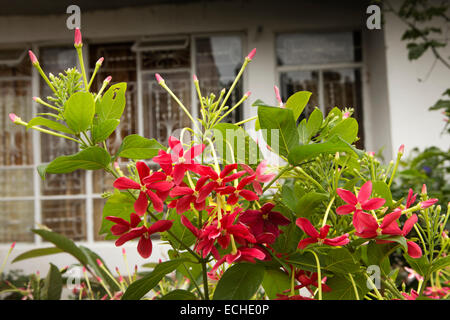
x=347, y=130
x=381, y=189
x=91, y=158
x=420, y=265
x=297, y=103
x=314, y=122
x=179, y=294
x=305, y=152
x=375, y=254
x=51, y=124
x=79, y=111
x=112, y=103
x=309, y=203
x=343, y=289
x=52, y=284
x=240, y=282
x=63, y=243
x=120, y=204
x=141, y=287
x=136, y=147
x=439, y=264
x=190, y=267
x=275, y=281
x=102, y=130
x=34, y=253
x=340, y=260
x=245, y=149
x=281, y=131
x=306, y=260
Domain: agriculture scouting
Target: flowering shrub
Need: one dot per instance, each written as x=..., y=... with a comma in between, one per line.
x=319, y=223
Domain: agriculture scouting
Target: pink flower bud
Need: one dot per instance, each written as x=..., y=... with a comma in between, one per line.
x=13, y=245
x=124, y=252
x=424, y=189
x=247, y=94
x=401, y=150
x=78, y=41
x=100, y=61
x=38, y=273
x=99, y=279
x=33, y=58
x=99, y=262
x=116, y=165
x=104, y=297
x=277, y=94
x=371, y=153
x=159, y=79
x=428, y=203
x=108, y=79
x=195, y=78
x=346, y=115
x=13, y=117
x=84, y=269
x=251, y=54
x=120, y=278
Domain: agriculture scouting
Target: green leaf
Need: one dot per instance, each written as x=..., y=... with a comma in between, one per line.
x=420, y=265
x=41, y=169
x=112, y=103
x=102, y=130
x=399, y=239
x=63, y=243
x=120, y=204
x=259, y=102
x=303, y=135
x=52, y=284
x=79, y=111
x=439, y=264
x=281, y=134
x=34, y=253
x=314, y=122
x=441, y=104
x=54, y=125
x=137, y=148
x=342, y=287
x=195, y=268
x=382, y=190
x=306, y=260
x=91, y=158
x=240, y=282
x=304, y=152
x=275, y=281
x=375, y=254
x=415, y=51
x=179, y=294
x=141, y=287
x=245, y=149
x=297, y=103
x=347, y=130
x=309, y=203
x=340, y=260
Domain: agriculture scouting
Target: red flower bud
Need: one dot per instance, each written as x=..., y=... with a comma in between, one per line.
x=159, y=79
x=78, y=42
x=251, y=54
x=33, y=58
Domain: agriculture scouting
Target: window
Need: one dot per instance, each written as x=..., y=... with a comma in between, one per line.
x=327, y=64
x=71, y=203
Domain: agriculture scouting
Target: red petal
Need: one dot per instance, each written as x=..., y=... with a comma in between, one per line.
x=306, y=242
x=373, y=204
x=141, y=204
x=248, y=195
x=143, y=170
x=156, y=176
x=188, y=224
x=126, y=183
x=119, y=229
x=176, y=146
x=347, y=196
x=338, y=241
x=184, y=204
x=160, y=226
x=145, y=247
x=324, y=231
x=307, y=227
x=158, y=205
x=414, y=250
x=178, y=173
x=180, y=191
x=227, y=169
x=345, y=209
x=193, y=152
x=118, y=220
x=365, y=222
x=133, y=234
x=134, y=220
x=364, y=192
x=277, y=218
x=390, y=218
x=409, y=224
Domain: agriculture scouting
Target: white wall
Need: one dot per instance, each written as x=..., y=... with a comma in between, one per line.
x=411, y=122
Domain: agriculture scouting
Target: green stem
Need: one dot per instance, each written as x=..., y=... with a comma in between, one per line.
x=355, y=289
x=83, y=70
x=282, y=171
x=319, y=275
x=205, y=280
x=246, y=120
x=327, y=211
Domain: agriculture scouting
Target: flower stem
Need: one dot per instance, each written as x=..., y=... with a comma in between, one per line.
x=319, y=275
x=355, y=289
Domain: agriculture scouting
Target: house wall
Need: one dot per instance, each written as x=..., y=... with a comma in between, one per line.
x=260, y=21
x=412, y=90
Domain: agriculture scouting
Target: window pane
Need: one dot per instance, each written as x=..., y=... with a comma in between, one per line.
x=14, y=63
x=294, y=81
x=16, y=182
x=120, y=64
x=317, y=48
x=218, y=61
x=15, y=97
x=16, y=220
x=162, y=115
x=67, y=217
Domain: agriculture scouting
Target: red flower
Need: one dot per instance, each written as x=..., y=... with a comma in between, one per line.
x=242, y=254
x=182, y=161
x=235, y=192
x=188, y=196
x=412, y=296
x=264, y=220
x=145, y=243
x=260, y=177
x=410, y=199
x=147, y=182
x=428, y=203
x=311, y=280
x=360, y=202
x=367, y=226
x=315, y=236
x=121, y=225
